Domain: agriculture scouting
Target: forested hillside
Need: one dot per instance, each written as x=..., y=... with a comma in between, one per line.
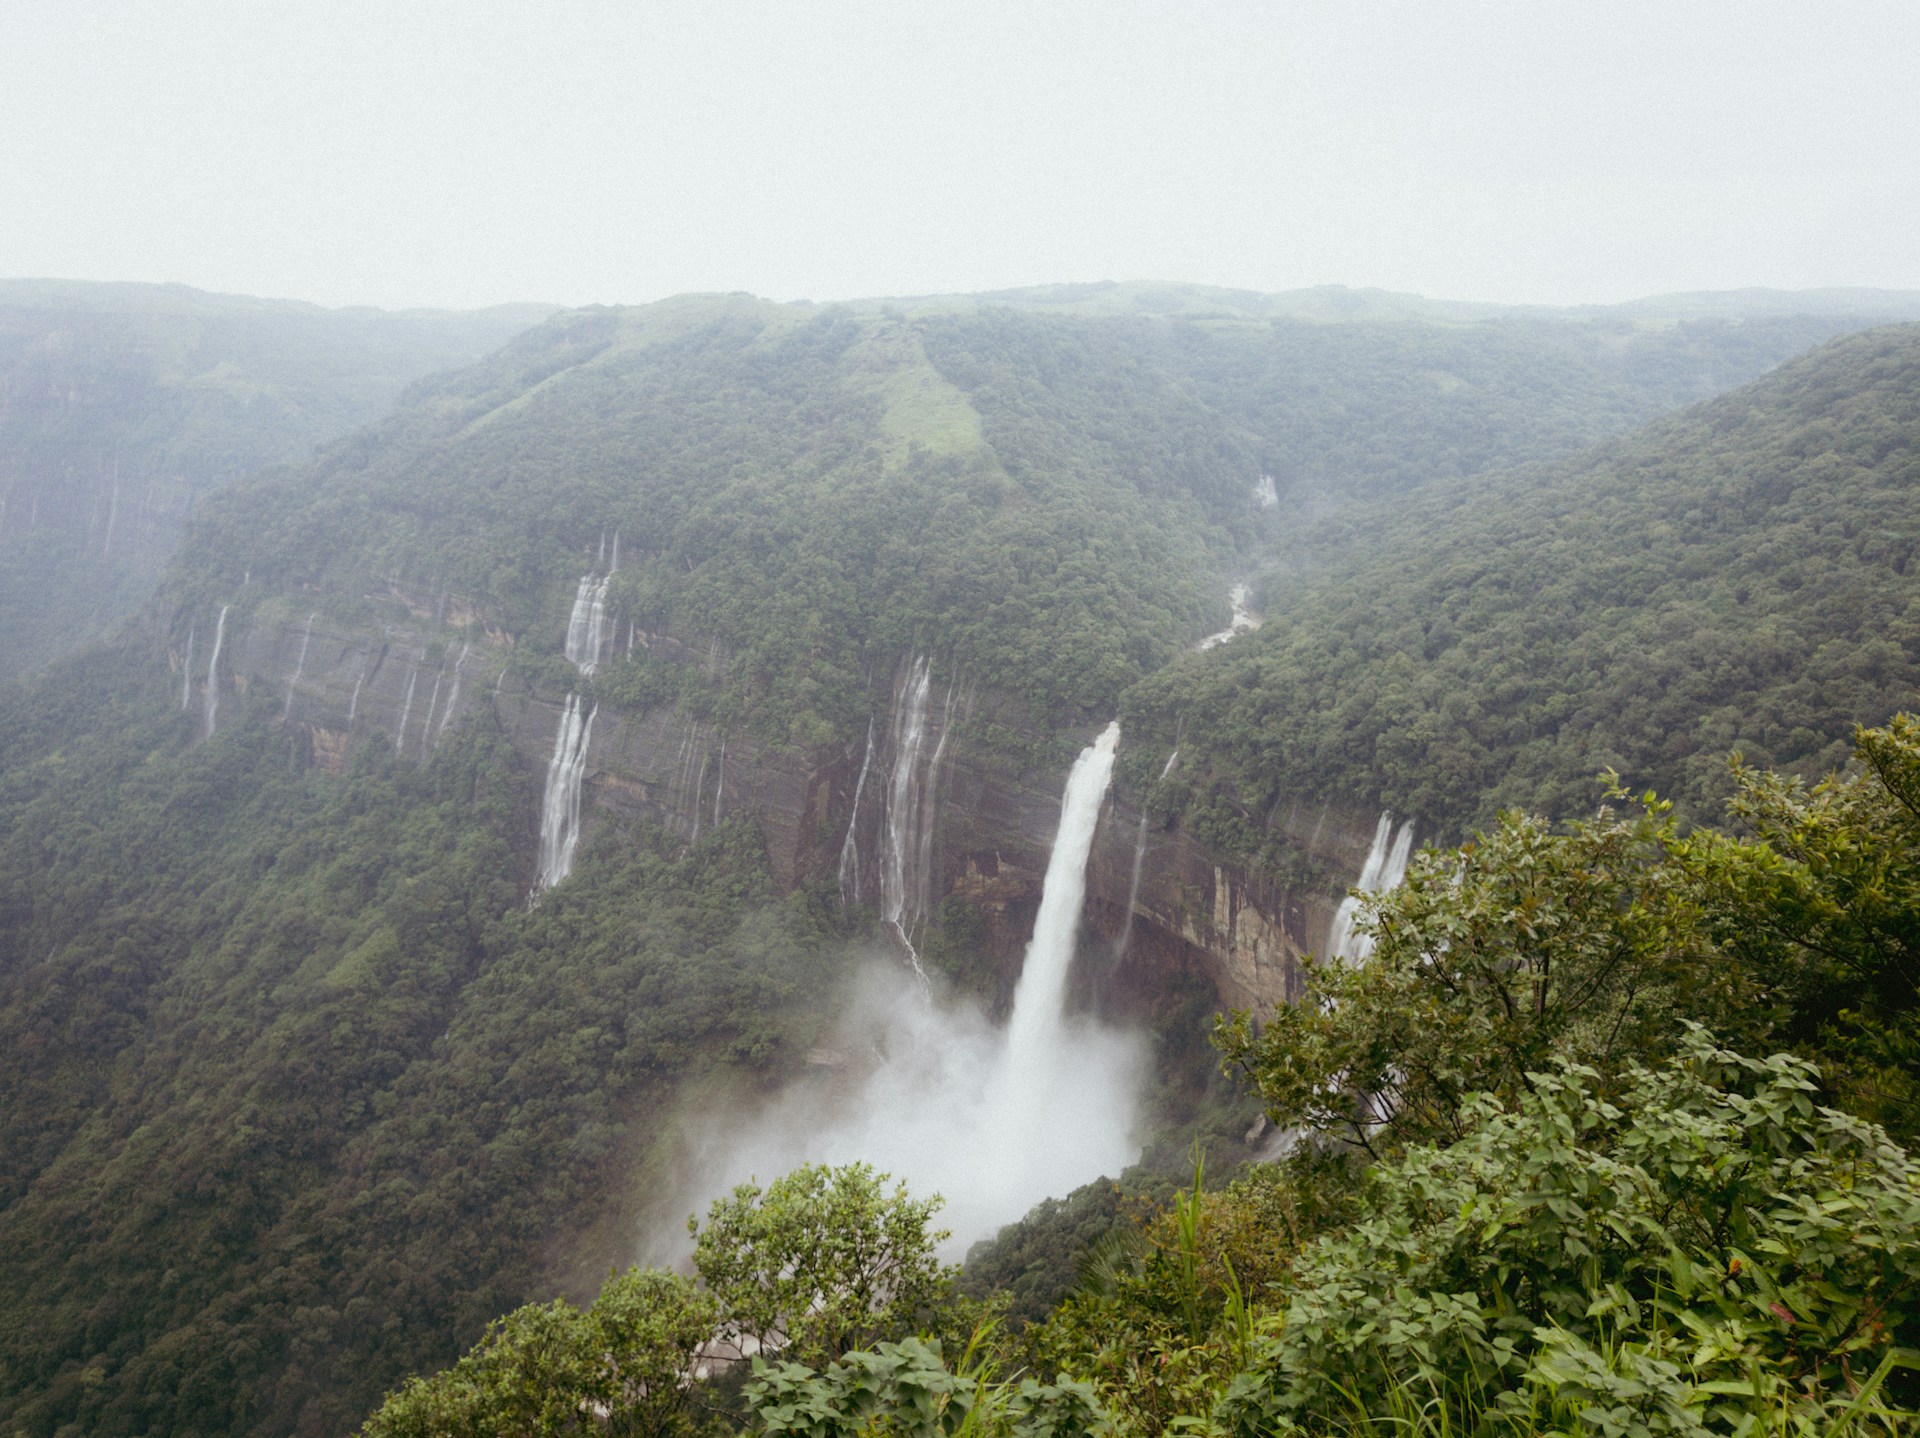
x=1739, y=577
x=303, y=1079
x=122, y=406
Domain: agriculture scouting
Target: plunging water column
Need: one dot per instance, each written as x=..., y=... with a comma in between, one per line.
x=560, y=808
x=994, y=1119
x=1039, y=1003
x=1385, y=867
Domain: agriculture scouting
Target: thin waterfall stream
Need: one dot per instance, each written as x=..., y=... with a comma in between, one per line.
x=213, y=670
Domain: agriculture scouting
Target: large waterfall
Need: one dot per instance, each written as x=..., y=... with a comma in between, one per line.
x=1039, y=1003
x=560, y=808
x=213, y=670
x=587, y=627
x=993, y=1119
x=1385, y=867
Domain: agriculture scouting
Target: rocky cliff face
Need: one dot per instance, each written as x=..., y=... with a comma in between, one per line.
x=1190, y=913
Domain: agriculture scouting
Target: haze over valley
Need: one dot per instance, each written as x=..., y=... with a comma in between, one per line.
x=1259, y=853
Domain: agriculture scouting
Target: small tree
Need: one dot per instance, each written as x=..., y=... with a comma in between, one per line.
x=1492, y=961
x=1822, y=905
x=822, y=1261
x=622, y=1366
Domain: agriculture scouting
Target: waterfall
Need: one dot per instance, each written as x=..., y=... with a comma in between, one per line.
x=720, y=777
x=1139, y=855
x=1385, y=867
x=560, y=808
x=614, y=568
x=213, y=669
x=353, y=704
x=586, y=629
x=1033, y=1033
x=400, y=739
x=850, y=847
x=113, y=509
x=453, y=698
x=907, y=829
x=994, y=1118
x=1241, y=621
x=1265, y=494
x=186, y=674
x=426, y=725
x=299, y=666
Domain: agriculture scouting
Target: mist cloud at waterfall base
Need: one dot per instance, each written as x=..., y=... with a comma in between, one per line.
x=928, y=1090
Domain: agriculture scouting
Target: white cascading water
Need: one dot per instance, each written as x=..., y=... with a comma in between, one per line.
x=406, y=708
x=992, y=1119
x=213, y=670
x=587, y=626
x=560, y=807
x=907, y=826
x=1241, y=622
x=850, y=846
x=1385, y=867
x=1039, y=1001
x=353, y=704
x=453, y=698
x=186, y=675
x=433, y=703
x=113, y=510
x=1139, y=858
x=1265, y=494
x=299, y=667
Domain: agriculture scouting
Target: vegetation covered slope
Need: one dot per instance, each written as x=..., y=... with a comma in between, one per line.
x=1738, y=577
x=121, y=406
x=295, y=1089
x=298, y=1093
x=1530, y=1192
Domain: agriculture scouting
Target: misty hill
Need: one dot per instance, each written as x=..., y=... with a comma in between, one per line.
x=122, y=405
x=1738, y=577
x=298, y=1090
x=1344, y=304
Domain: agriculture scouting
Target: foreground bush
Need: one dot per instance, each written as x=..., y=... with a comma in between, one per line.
x=1714, y=1253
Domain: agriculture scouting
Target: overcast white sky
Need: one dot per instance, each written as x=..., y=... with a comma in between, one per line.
x=409, y=152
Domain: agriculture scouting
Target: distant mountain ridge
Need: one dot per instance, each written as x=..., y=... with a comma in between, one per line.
x=122, y=405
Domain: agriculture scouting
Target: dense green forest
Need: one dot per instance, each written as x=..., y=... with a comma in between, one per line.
x=122, y=406
x=299, y=1092
x=1736, y=578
